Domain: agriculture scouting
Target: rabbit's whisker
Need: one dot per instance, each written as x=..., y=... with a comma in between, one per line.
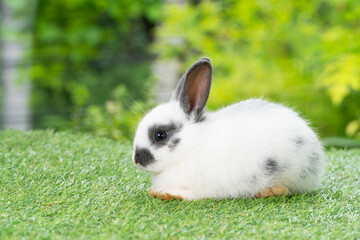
x=136, y=103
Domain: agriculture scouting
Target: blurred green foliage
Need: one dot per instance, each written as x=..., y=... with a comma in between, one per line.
x=114, y=120
x=83, y=50
x=302, y=53
x=91, y=64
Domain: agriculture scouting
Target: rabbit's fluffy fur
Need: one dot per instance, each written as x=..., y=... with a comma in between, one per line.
x=236, y=151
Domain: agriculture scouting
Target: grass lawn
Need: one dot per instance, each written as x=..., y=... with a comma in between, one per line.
x=59, y=185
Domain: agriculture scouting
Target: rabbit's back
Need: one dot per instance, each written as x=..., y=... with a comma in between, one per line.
x=257, y=143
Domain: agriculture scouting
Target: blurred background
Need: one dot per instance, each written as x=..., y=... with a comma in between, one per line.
x=97, y=66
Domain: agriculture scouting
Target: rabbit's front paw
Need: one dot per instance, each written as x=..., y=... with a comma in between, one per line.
x=165, y=195
x=276, y=191
x=171, y=194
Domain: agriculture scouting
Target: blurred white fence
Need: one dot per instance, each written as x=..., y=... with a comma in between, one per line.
x=15, y=44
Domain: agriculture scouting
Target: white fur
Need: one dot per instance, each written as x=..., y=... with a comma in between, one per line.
x=221, y=156
x=225, y=155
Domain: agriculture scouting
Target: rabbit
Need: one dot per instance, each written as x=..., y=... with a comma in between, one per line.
x=250, y=149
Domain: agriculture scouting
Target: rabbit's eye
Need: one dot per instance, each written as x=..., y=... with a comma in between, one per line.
x=160, y=135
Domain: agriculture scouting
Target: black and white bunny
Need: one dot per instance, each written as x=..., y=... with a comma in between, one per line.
x=254, y=148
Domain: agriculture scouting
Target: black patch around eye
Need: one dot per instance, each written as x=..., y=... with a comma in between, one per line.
x=271, y=166
x=171, y=129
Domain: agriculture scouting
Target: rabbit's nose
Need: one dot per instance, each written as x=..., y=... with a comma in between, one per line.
x=143, y=157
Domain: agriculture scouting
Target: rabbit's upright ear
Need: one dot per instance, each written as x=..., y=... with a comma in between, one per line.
x=194, y=87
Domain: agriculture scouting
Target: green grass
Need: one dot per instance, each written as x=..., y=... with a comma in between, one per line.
x=59, y=185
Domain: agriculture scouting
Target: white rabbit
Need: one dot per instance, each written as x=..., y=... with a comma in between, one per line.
x=250, y=149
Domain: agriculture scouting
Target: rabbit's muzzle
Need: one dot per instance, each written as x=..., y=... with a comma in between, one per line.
x=143, y=157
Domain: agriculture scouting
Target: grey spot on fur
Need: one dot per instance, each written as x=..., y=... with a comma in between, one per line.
x=313, y=165
x=200, y=117
x=271, y=166
x=173, y=143
x=314, y=157
x=299, y=141
x=171, y=129
x=143, y=156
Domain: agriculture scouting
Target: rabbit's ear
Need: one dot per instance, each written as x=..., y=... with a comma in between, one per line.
x=194, y=87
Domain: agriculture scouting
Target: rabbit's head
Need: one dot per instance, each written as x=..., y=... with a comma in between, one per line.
x=159, y=134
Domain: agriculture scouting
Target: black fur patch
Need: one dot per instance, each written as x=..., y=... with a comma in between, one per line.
x=171, y=129
x=143, y=157
x=271, y=166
